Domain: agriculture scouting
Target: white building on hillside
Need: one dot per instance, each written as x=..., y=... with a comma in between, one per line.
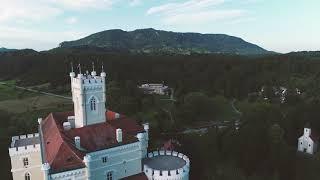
x=89, y=143
x=308, y=142
x=159, y=89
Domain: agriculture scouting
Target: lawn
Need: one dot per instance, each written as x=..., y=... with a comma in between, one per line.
x=37, y=102
x=8, y=91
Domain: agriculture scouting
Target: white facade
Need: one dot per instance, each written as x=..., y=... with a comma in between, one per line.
x=154, y=88
x=88, y=95
x=306, y=143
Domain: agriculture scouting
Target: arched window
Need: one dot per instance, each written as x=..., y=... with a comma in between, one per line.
x=27, y=176
x=109, y=176
x=93, y=104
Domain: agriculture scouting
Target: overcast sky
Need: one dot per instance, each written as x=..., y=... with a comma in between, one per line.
x=277, y=25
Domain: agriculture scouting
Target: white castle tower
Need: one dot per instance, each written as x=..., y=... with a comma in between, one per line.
x=88, y=95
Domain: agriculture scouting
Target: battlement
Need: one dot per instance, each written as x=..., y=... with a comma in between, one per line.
x=157, y=172
x=24, y=144
x=88, y=80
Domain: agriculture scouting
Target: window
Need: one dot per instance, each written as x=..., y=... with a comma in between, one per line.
x=27, y=176
x=109, y=176
x=104, y=159
x=93, y=105
x=25, y=162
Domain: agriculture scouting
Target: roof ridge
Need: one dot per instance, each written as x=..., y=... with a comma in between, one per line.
x=64, y=138
x=61, y=140
x=72, y=150
x=54, y=157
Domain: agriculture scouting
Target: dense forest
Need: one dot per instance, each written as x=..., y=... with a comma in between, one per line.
x=263, y=148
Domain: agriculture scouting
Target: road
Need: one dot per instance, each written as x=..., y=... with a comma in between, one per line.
x=202, y=129
x=36, y=91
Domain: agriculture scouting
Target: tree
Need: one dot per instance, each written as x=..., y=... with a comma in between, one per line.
x=196, y=106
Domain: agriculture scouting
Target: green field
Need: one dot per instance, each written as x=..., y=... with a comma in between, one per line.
x=8, y=91
x=19, y=110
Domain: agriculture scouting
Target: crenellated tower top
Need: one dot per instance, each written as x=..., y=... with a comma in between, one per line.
x=89, y=97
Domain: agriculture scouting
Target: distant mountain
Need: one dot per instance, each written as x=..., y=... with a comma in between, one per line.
x=2, y=49
x=305, y=53
x=158, y=41
x=17, y=52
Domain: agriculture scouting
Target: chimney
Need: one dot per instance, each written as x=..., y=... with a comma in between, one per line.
x=66, y=126
x=71, y=120
x=77, y=142
x=119, y=135
x=146, y=127
x=116, y=115
x=39, y=120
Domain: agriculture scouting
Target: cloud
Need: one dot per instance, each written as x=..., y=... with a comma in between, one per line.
x=194, y=12
x=71, y=20
x=23, y=22
x=242, y=20
x=202, y=17
x=83, y=4
x=31, y=10
x=191, y=5
x=32, y=38
x=37, y=10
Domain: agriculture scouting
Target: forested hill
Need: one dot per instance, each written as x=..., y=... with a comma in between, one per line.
x=158, y=41
x=2, y=49
x=232, y=75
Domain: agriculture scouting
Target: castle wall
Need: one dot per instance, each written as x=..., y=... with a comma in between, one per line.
x=177, y=174
x=17, y=154
x=78, y=174
x=122, y=161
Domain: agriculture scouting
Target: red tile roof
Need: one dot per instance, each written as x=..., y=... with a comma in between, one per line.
x=140, y=176
x=59, y=148
x=112, y=115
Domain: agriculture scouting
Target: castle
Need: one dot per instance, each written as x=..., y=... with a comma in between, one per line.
x=92, y=143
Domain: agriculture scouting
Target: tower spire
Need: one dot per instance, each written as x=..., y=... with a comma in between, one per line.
x=93, y=73
x=72, y=74
x=71, y=66
x=79, y=67
x=103, y=74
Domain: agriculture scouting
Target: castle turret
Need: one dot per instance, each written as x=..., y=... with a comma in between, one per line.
x=88, y=95
x=87, y=161
x=45, y=168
